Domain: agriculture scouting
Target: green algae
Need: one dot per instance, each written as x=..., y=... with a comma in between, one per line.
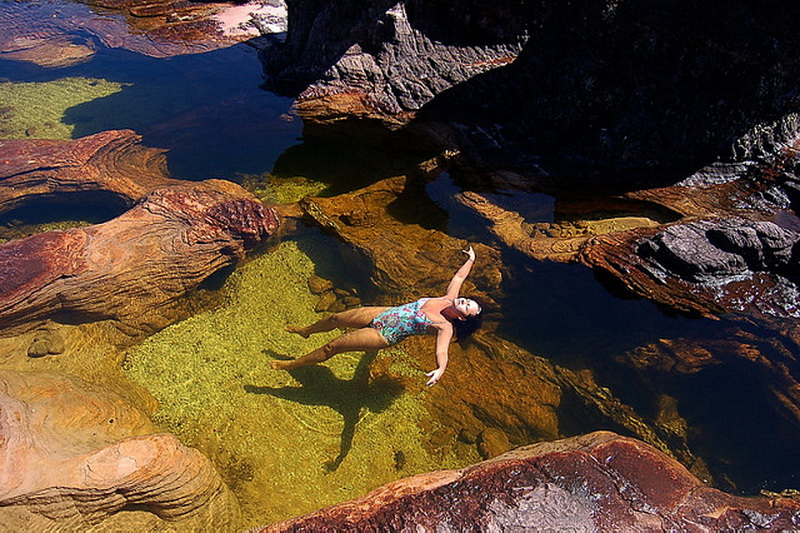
x=286, y=443
x=272, y=189
x=38, y=110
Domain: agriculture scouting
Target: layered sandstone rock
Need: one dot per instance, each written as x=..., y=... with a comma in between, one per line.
x=144, y=260
x=107, y=165
x=594, y=482
x=75, y=456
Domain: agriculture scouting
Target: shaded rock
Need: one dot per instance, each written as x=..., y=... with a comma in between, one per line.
x=134, y=267
x=381, y=60
x=492, y=442
x=318, y=285
x=563, y=94
x=594, y=482
x=75, y=456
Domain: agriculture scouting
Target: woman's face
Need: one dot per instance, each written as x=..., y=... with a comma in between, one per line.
x=466, y=307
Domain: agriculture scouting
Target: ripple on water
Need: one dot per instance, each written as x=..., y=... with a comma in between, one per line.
x=286, y=444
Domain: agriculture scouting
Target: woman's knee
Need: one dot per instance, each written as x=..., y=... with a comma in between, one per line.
x=330, y=349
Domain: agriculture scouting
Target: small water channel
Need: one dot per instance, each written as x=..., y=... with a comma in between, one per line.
x=291, y=443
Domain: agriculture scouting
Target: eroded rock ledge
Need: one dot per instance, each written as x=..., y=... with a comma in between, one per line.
x=144, y=260
x=594, y=482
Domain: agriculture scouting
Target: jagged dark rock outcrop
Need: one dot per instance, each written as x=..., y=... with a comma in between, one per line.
x=606, y=94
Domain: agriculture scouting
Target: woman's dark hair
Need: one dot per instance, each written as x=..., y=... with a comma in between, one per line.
x=470, y=324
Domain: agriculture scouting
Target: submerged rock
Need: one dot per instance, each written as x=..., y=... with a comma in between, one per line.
x=599, y=481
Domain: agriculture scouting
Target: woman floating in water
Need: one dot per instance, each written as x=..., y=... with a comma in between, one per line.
x=379, y=327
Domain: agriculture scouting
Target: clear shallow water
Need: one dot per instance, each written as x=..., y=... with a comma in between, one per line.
x=274, y=436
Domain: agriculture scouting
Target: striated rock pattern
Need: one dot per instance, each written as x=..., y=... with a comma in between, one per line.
x=107, y=164
x=385, y=61
x=594, y=482
x=142, y=260
x=74, y=456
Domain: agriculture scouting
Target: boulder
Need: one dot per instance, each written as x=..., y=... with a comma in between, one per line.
x=599, y=481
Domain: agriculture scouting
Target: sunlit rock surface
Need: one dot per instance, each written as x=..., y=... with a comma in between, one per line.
x=599, y=481
x=63, y=35
x=110, y=164
x=75, y=456
x=145, y=259
x=142, y=260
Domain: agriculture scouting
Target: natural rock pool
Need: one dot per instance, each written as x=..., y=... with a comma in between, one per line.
x=565, y=351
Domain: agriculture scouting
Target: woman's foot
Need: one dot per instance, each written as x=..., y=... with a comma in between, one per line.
x=298, y=330
x=279, y=365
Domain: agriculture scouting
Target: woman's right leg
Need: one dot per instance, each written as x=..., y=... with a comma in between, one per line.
x=360, y=340
x=352, y=318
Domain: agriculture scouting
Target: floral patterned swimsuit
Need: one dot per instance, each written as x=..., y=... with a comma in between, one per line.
x=397, y=323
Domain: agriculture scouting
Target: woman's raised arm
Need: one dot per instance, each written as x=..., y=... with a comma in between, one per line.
x=461, y=274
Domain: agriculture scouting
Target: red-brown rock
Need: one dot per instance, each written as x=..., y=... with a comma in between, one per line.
x=111, y=162
x=599, y=481
x=135, y=266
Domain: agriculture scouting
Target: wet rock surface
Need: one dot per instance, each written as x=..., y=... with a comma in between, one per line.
x=55, y=36
x=146, y=258
x=75, y=456
x=598, y=481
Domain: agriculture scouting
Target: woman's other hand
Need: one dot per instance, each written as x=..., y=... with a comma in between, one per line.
x=434, y=375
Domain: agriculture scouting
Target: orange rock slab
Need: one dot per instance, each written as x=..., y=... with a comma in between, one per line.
x=75, y=456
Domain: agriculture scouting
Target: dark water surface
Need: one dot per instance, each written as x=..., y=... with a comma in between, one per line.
x=209, y=112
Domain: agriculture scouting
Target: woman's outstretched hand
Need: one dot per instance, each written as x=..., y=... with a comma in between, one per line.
x=470, y=254
x=434, y=375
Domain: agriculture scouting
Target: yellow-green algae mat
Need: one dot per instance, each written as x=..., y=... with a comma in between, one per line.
x=276, y=436
x=38, y=110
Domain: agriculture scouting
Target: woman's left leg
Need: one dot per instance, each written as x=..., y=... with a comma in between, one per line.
x=360, y=340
